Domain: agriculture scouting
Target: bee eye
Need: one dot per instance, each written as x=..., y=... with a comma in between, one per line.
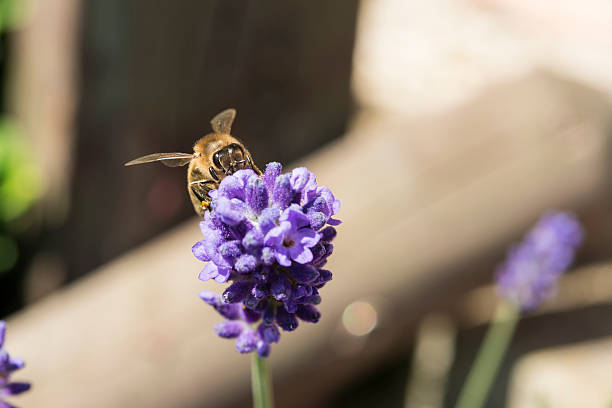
x=238, y=154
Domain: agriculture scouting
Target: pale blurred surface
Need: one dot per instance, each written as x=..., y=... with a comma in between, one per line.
x=564, y=377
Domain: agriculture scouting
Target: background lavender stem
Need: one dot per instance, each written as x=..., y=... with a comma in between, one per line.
x=490, y=355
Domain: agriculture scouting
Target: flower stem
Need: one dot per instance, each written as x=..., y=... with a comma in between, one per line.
x=261, y=383
x=490, y=355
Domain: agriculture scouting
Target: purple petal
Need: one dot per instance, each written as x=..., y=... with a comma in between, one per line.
x=307, y=237
x=230, y=212
x=299, y=178
x=229, y=330
x=2, y=332
x=276, y=235
x=247, y=341
x=333, y=221
x=320, y=205
x=300, y=254
x=209, y=297
x=199, y=252
x=327, y=195
x=223, y=275
x=268, y=219
x=244, y=175
x=212, y=240
x=282, y=256
x=295, y=216
x=231, y=187
x=4, y=404
x=210, y=271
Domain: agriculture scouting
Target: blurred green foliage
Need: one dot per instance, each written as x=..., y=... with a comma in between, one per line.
x=20, y=183
x=10, y=13
x=19, y=178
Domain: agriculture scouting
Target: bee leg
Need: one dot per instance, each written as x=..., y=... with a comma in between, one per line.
x=213, y=173
x=253, y=166
x=200, y=190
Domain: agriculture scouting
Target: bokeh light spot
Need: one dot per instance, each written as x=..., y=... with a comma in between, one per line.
x=359, y=318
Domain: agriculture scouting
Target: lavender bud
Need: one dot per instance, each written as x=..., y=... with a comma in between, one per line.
x=302, y=273
x=237, y=291
x=247, y=341
x=273, y=170
x=245, y=264
x=257, y=195
x=282, y=192
x=229, y=329
x=280, y=287
x=308, y=313
x=269, y=333
x=285, y=320
x=328, y=234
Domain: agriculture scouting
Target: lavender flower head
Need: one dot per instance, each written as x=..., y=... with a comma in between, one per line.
x=529, y=275
x=270, y=237
x=9, y=364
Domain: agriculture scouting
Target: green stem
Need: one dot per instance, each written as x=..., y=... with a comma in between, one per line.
x=261, y=383
x=490, y=355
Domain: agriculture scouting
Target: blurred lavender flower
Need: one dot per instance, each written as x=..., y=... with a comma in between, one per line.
x=268, y=236
x=529, y=275
x=9, y=364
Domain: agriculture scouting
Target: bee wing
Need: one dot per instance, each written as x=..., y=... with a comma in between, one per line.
x=169, y=159
x=222, y=123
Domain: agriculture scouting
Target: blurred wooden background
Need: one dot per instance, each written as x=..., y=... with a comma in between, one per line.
x=454, y=142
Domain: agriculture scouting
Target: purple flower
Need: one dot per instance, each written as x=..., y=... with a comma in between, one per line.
x=292, y=238
x=8, y=365
x=269, y=237
x=529, y=275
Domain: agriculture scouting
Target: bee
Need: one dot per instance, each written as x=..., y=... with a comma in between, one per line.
x=214, y=156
